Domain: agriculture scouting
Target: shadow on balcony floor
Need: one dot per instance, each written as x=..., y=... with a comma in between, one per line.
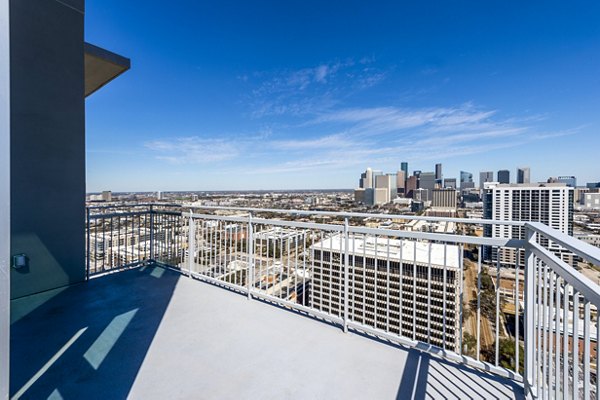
x=154, y=334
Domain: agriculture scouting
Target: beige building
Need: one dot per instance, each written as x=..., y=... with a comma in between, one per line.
x=395, y=286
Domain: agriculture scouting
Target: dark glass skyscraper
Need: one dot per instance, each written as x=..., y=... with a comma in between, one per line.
x=504, y=176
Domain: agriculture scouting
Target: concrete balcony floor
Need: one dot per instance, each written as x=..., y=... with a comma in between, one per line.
x=152, y=333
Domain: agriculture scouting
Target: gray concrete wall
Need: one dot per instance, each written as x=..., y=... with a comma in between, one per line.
x=47, y=143
x=4, y=200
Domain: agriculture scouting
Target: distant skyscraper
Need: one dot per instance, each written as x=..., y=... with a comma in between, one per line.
x=427, y=182
x=487, y=176
x=387, y=182
x=523, y=175
x=466, y=180
x=438, y=172
x=570, y=181
x=444, y=198
x=592, y=185
x=366, y=179
x=450, y=183
x=404, y=167
x=504, y=176
x=411, y=186
x=400, y=181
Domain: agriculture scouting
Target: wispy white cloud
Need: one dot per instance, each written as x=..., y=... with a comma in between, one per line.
x=335, y=141
x=319, y=131
x=310, y=90
x=193, y=150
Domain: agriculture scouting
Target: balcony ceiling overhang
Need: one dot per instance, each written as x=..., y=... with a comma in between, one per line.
x=101, y=67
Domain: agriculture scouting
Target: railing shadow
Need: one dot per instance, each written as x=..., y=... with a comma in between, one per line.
x=87, y=340
x=425, y=376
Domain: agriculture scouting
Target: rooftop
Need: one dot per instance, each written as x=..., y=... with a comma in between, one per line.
x=407, y=250
x=154, y=333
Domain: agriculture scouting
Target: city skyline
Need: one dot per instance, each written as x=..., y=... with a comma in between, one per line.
x=220, y=102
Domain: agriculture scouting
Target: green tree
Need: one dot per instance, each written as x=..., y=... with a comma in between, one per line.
x=506, y=354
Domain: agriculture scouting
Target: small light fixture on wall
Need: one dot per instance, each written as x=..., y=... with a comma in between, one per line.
x=19, y=261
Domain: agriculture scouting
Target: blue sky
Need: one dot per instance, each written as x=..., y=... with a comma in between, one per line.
x=307, y=94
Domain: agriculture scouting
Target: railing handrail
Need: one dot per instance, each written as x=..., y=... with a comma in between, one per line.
x=344, y=214
x=435, y=236
x=133, y=205
x=579, y=247
x=580, y=282
x=341, y=214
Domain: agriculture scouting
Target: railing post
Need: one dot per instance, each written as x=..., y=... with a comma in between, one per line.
x=250, y=249
x=346, y=272
x=191, y=243
x=151, y=258
x=89, y=251
x=529, y=323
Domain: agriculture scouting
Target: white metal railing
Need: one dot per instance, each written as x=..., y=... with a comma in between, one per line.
x=431, y=291
x=560, y=325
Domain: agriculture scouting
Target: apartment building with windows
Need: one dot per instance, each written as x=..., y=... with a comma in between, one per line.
x=548, y=203
x=408, y=287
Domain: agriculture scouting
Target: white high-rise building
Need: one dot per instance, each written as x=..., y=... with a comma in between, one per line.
x=548, y=203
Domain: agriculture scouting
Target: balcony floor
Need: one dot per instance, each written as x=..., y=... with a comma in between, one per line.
x=152, y=333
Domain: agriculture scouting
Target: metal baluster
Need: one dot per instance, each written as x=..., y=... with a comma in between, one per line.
x=88, y=250
x=586, y=349
x=557, y=339
x=544, y=331
x=401, y=283
x=414, y=290
x=444, y=288
x=529, y=339
x=517, y=312
x=565, y=331
x=375, y=277
x=429, y=293
x=478, y=302
x=250, y=255
x=346, y=266
x=192, y=243
x=497, y=309
x=548, y=327
x=304, y=253
x=575, y=344
x=387, y=297
x=461, y=295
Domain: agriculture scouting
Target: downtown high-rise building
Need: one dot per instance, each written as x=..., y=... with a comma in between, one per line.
x=366, y=179
x=486, y=176
x=400, y=182
x=450, y=183
x=427, y=182
x=412, y=184
x=438, y=175
x=466, y=180
x=404, y=168
x=570, y=181
x=504, y=176
x=523, y=175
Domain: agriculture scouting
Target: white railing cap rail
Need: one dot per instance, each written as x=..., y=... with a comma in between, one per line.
x=360, y=215
x=578, y=247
